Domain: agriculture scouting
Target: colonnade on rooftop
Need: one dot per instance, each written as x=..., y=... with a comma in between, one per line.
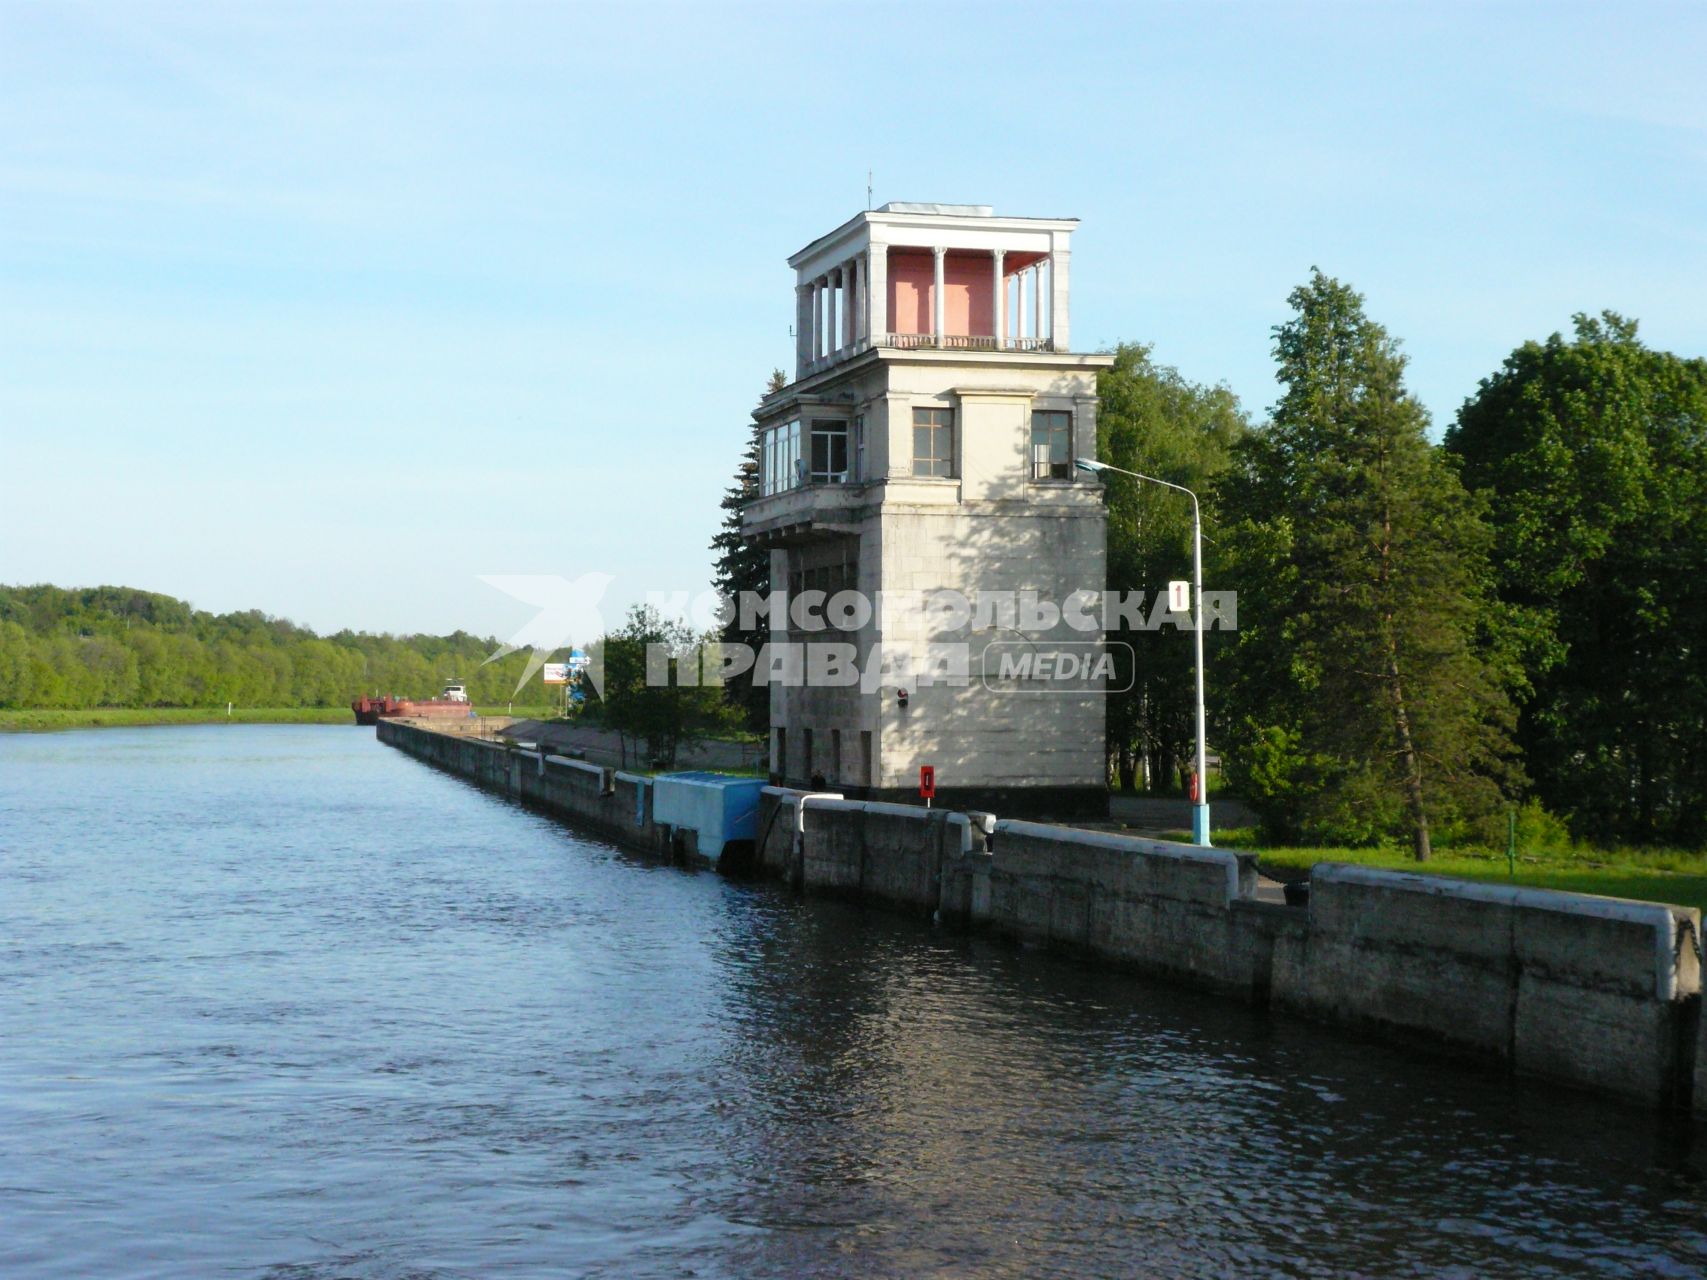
x=931, y=296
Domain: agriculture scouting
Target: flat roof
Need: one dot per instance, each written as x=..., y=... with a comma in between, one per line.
x=956, y=210
x=903, y=213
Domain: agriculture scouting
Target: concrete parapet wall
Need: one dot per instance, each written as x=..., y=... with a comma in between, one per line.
x=1160, y=907
x=866, y=850
x=887, y=853
x=1593, y=991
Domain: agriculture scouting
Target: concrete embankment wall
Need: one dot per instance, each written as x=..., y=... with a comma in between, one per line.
x=863, y=850
x=1594, y=992
x=617, y=805
x=1588, y=990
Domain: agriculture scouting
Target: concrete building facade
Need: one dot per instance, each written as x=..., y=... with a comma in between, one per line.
x=926, y=444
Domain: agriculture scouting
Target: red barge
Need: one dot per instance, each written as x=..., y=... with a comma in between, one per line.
x=452, y=702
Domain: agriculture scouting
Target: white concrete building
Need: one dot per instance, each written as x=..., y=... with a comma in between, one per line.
x=926, y=443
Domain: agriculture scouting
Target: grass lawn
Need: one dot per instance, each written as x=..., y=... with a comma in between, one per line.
x=116, y=717
x=1651, y=875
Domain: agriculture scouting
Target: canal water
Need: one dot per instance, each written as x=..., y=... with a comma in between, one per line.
x=280, y=1002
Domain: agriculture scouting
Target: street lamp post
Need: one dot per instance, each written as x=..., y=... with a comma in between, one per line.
x=1200, y=807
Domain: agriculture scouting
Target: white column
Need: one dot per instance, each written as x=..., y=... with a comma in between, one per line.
x=1058, y=275
x=826, y=309
x=998, y=297
x=937, y=309
x=863, y=274
x=877, y=292
x=1037, y=301
x=848, y=308
x=812, y=320
x=817, y=312
x=802, y=328
x=833, y=321
x=857, y=299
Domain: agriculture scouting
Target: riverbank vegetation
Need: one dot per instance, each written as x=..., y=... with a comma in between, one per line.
x=115, y=648
x=36, y=720
x=1428, y=635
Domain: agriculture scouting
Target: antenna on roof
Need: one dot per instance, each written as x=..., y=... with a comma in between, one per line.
x=868, y=190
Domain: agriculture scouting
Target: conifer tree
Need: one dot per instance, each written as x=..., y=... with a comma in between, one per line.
x=1364, y=604
x=742, y=567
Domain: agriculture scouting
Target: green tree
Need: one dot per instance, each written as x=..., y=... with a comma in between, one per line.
x=1593, y=452
x=1366, y=680
x=1151, y=420
x=644, y=699
x=114, y=646
x=742, y=567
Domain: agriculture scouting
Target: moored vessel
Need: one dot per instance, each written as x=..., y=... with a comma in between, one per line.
x=452, y=702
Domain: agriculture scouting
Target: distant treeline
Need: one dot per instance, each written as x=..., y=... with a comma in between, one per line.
x=118, y=647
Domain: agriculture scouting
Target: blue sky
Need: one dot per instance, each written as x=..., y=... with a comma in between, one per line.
x=329, y=310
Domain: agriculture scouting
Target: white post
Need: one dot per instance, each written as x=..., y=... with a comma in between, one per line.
x=1199, y=809
x=1200, y=805
x=937, y=299
x=998, y=297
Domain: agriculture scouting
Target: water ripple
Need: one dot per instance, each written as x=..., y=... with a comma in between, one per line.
x=280, y=1003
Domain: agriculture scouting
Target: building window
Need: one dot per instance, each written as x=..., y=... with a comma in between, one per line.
x=1051, y=445
x=859, y=471
x=780, y=458
x=933, y=442
x=829, y=451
